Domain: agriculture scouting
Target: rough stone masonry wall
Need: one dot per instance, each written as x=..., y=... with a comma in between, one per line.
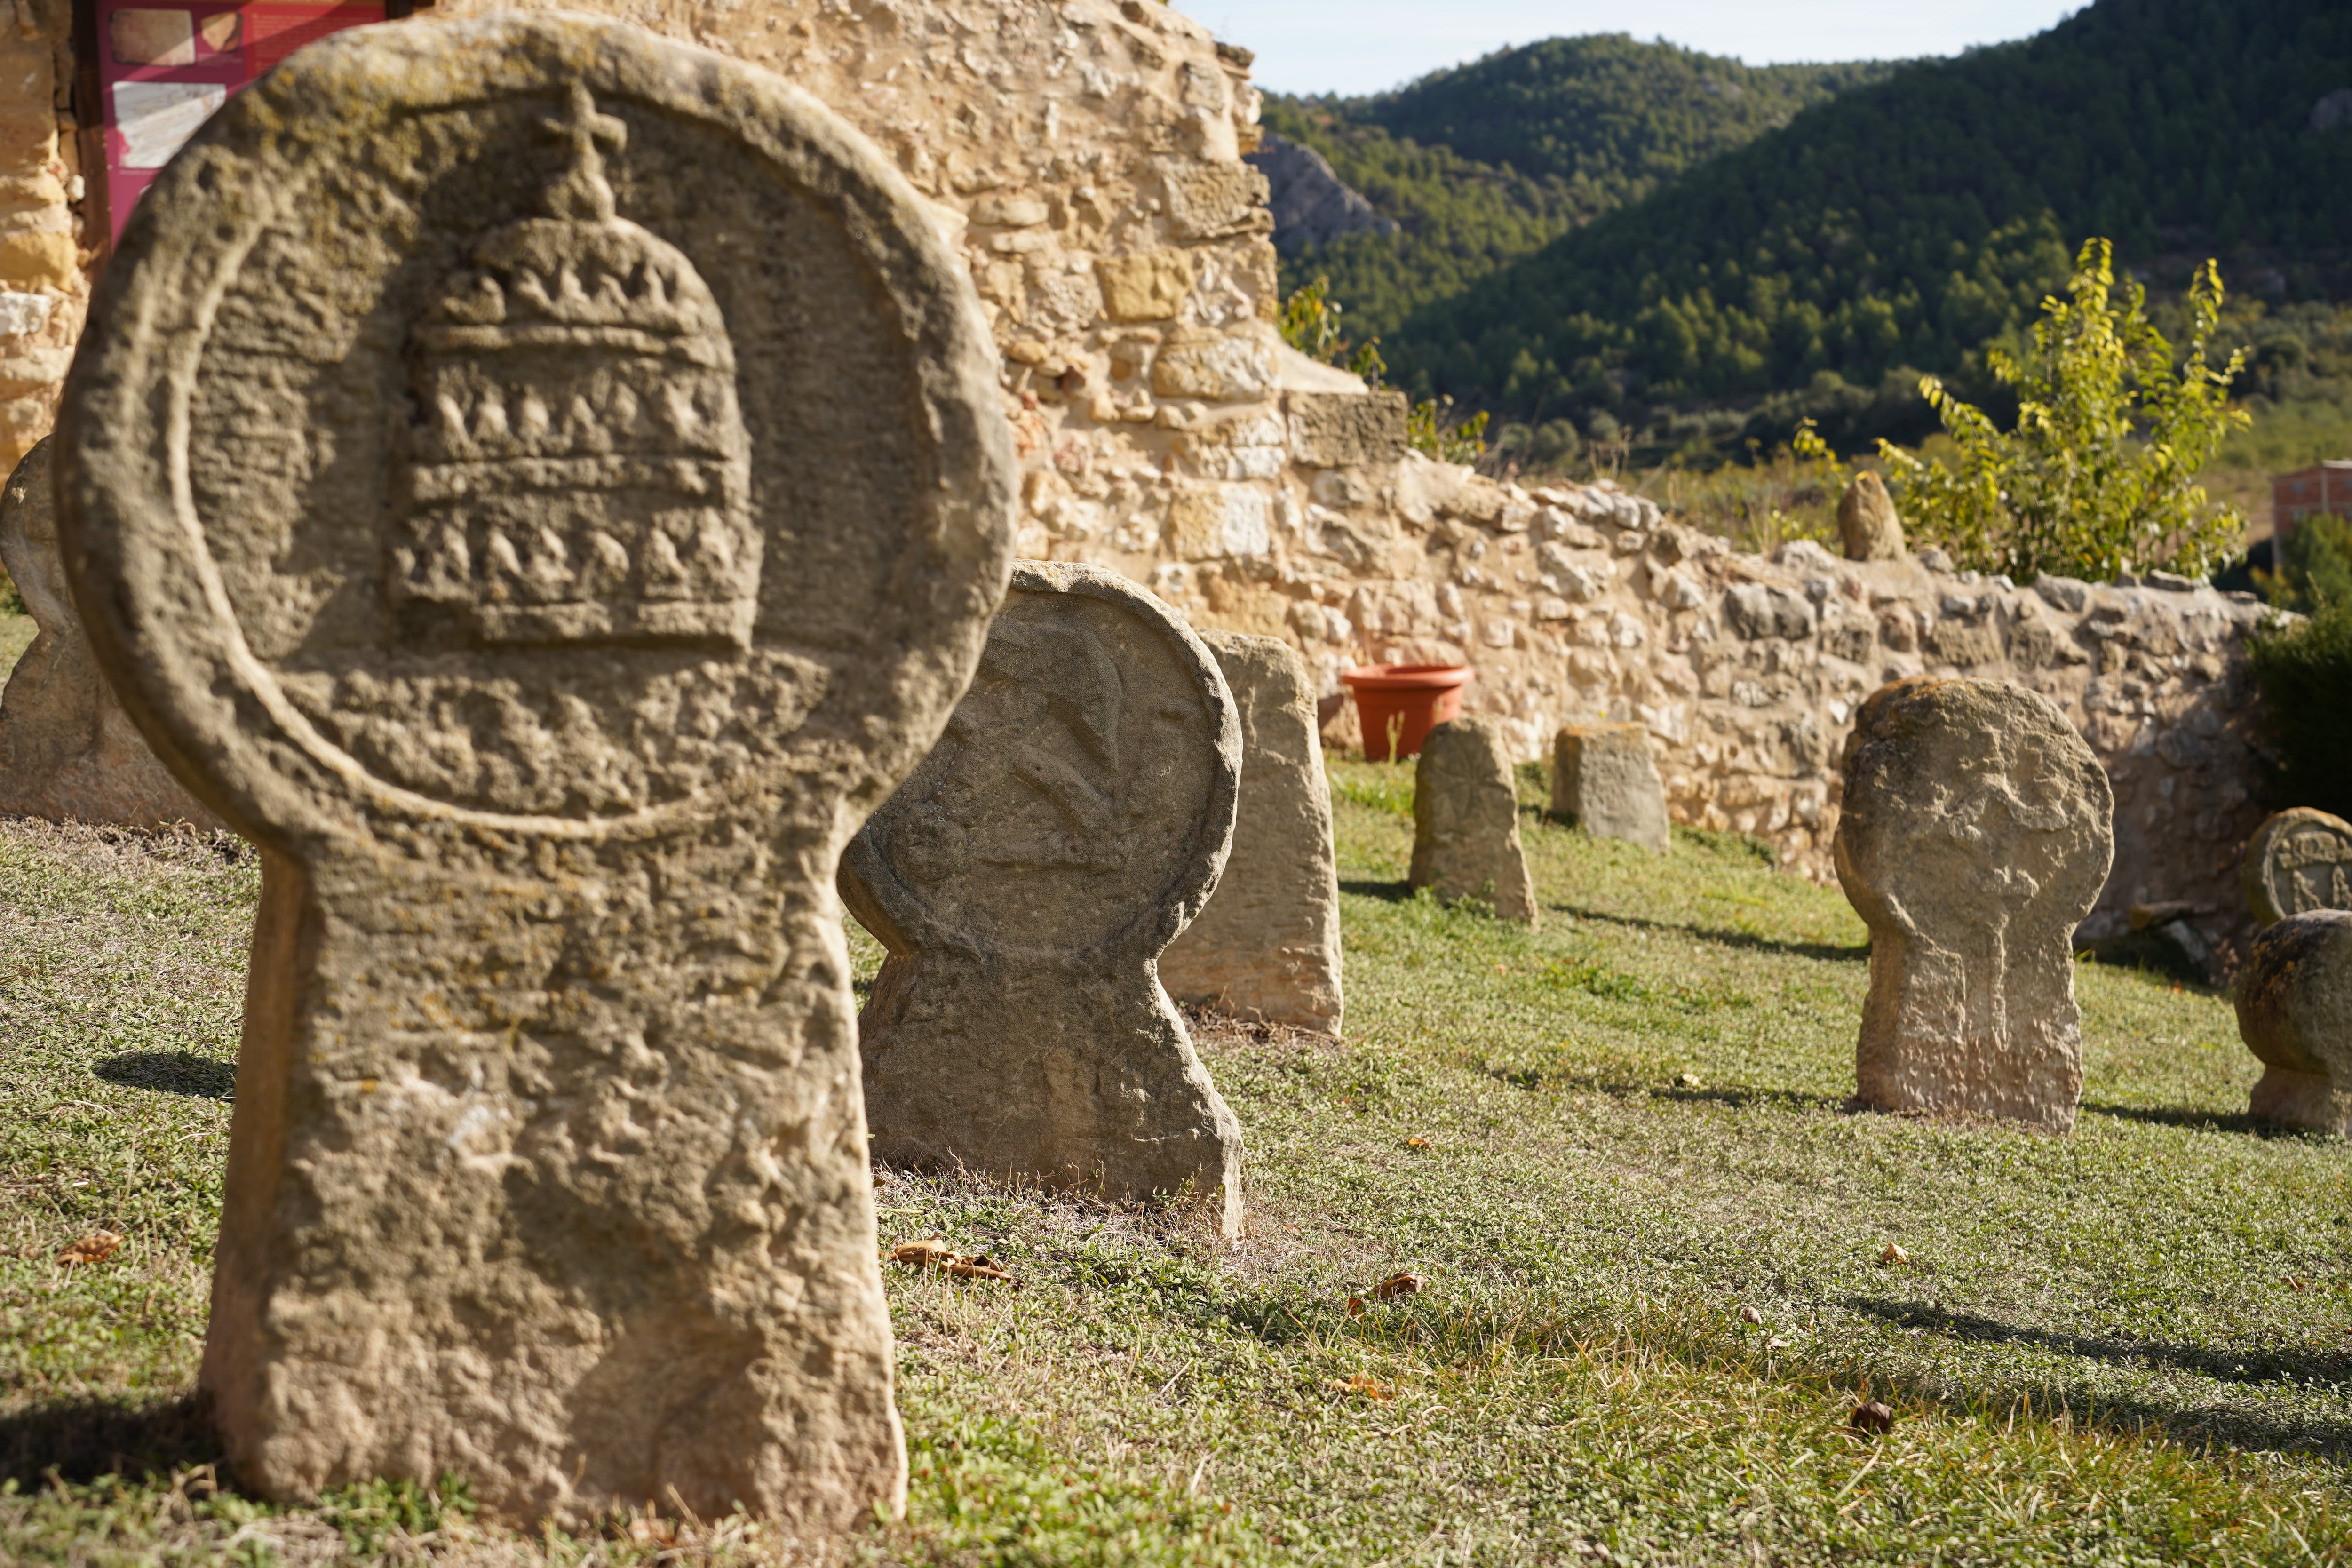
x=43, y=288
x=1087, y=156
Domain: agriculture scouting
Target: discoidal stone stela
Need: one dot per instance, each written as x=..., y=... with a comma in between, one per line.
x=1976, y=832
x=1026, y=881
x=545, y=484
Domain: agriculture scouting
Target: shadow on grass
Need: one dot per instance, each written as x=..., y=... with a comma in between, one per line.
x=1829, y=952
x=2196, y=1121
x=170, y=1072
x=1634, y=1083
x=1281, y=1318
x=1396, y=892
x=82, y=1439
x=2246, y=1366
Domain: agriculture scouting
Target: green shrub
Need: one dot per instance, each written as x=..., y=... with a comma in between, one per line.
x=2304, y=670
x=2314, y=566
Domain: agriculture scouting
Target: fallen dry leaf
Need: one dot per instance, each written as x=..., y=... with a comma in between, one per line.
x=1751, y=1315
x=1872, y=1416
x=976, y=1269
x=928, y=1253
x=98, y=1246
x=932, y=1252
x=1689, y=1080
x=1363, y=1384
x=1893, y=1256
x=1416, y=1143
x=1356, y=1309
x=1397, y=1285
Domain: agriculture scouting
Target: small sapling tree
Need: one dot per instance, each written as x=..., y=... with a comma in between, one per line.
x=2100, y=475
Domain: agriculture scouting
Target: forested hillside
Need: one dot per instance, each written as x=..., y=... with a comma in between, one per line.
x=1486, y=162
x=1899, y=225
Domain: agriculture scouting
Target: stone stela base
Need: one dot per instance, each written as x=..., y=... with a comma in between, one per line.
x=1266, y=948
x=1466, y=820
x=1604, y=780
x=68, y=750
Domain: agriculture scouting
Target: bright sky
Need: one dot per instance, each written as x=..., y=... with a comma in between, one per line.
x=1364, y=46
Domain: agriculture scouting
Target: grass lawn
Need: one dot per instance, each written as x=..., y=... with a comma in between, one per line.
x=1606, y=1145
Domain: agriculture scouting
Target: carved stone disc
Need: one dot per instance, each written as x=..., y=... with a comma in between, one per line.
x=2297, y=862
x=495, y=420
x=1083, y=797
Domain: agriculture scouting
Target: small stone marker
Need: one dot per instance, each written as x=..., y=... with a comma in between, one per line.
x=1604, y=780
x=1267, y=946
x=1466, y=819
x=1976, y=833
x=68, y=750
x=1868, y=524
x=2298, y=861
x=2295, y=1012
x=1026, y=879
x=551, y=592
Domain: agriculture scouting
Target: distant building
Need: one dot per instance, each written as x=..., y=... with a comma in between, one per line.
x=2326, y=487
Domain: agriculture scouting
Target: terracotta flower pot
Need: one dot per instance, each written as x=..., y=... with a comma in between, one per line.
x=1399, y=704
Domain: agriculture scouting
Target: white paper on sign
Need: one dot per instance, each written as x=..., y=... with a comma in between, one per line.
x=156, y=118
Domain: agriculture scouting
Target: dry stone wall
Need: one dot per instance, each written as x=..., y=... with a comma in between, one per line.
x=1087, y=158
x=43, y=285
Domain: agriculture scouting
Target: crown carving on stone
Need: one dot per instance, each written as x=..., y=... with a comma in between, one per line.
x=574, y=467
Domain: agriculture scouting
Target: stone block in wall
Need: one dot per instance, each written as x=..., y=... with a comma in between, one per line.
x=1011, y=211
x=30, y=370
x=1338, y=430
x=1149, y=287
x=1256, y=270
x=1206, y=522
x=2031, y=644
x=1252, y=446
x=1850, y=639
x=21, y=314
x=2065, y=593
x=1963, y=643
x=1216, y=200
x=39, y=259
x=1757, y=610
x=1214, y=366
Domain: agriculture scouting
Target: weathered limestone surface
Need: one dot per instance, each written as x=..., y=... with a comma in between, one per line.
x=1267, y=946
x=1466, y=820
x=1868, y=524
x=44, y=292
x=2298, y=861
x=1084, y=158
x=1605, y=781
x=68, y=750
x=2295, y=1012
x=1027, y=878
x=1974, y=837
x=516, y=391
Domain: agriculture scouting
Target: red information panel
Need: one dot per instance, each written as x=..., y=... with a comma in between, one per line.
x=163, y=69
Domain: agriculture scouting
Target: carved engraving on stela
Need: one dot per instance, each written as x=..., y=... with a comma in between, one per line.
x=576, y=470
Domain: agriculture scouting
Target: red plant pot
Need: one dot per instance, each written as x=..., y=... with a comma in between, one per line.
x=1399, y=704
